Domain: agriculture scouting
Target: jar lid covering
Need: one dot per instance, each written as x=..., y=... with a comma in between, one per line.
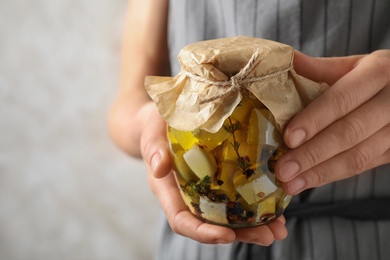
x=216, y=73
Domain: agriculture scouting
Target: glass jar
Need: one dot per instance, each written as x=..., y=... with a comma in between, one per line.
x=227, y=178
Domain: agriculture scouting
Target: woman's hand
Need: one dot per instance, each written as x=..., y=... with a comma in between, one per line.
x=137, y=128
x=154, y=149
x=346, y=130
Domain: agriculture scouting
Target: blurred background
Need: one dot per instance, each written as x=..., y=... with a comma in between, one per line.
x=66, y=192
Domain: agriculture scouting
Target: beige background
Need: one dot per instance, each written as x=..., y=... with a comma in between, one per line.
x=65, y=191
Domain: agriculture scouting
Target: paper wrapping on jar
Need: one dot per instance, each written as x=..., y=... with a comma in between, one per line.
x=214, y=75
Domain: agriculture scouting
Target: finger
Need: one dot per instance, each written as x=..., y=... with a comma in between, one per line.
x=349, y=92
x=383, y=159
x=181, y=220
x=347, y=164
x=340, y=136
x=263, y=235
x=154, y=146
x=278, y=228
x=282, y=219
x=313, y=68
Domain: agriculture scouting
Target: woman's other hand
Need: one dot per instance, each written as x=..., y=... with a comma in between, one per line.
x=346, y=130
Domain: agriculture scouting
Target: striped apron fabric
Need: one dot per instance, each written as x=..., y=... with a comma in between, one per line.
x=317, y=28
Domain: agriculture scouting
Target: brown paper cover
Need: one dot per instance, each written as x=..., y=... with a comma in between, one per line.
x=214, y=75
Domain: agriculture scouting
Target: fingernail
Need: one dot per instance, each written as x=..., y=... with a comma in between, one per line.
x=296, y=185
x=288, y=170
x=296, y=137
x=156, y=158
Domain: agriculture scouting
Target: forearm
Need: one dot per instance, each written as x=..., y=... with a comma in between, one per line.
x=144, y=53
x=126, y=123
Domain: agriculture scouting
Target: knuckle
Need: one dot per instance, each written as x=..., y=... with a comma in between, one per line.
x=176, y=223
x=382, y=70
x=343, y=101
x=380, y=62
x=316, y=118
x=313, y=156
x=175, y=228
x=318, y=178
x=146, y=147
x=382, y=57
x=352, y=131
x=360, y=158
x=318, y=124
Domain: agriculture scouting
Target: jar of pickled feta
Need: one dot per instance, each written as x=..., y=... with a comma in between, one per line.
x=227, y=177
x=226, y=111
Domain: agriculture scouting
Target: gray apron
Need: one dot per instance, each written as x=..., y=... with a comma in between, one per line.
x=317, y=230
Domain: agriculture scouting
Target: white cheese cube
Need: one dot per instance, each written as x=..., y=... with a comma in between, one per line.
x=257, y=189
x=213, y=211
x=200, y=161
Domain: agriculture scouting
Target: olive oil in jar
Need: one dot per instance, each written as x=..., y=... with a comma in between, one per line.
x=227, y=177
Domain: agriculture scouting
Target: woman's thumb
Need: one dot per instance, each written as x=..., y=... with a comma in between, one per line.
x=154, y=146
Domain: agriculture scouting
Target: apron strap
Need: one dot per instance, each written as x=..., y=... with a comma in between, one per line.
x=367, y=209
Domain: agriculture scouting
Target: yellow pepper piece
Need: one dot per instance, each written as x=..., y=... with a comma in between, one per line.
x=183, y=169
x=242, y=111
x=244, y=149
x=225, y=178
x=211, y=140
x=266, y=208
x=184, y=138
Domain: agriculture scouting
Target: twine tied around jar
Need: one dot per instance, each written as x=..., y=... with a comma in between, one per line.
x=238, y=80
x=203, y=100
